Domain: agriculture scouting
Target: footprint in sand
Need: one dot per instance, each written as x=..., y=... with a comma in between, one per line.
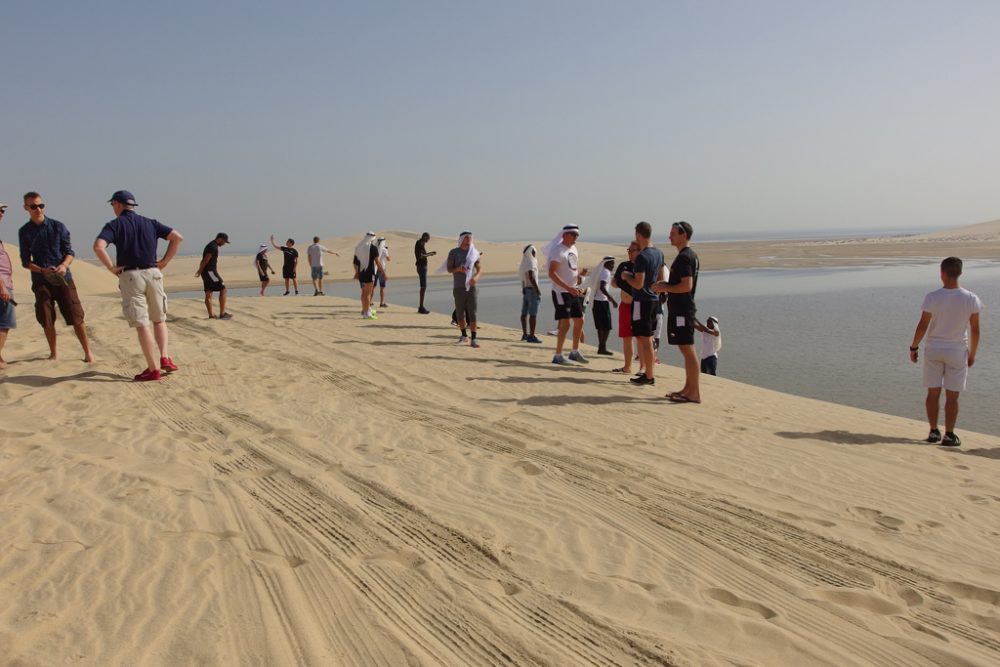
x=528, y=468
x=746, y=606
x=883, y=520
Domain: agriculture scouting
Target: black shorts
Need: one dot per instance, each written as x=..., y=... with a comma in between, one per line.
x=644, y=318
x=568, y=307
x=422, y=274
x=366, y=276
x=602, y=315
x=680, y=328
x=287, y=272
x=212, y=281
x=263, y=277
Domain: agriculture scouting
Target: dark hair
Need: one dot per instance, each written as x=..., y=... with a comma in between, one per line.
x=951, y=267
x=315, y=239
x=425, y=237
x=644, y=229
x=31, y=195
x=291, y=241
x=686, y=228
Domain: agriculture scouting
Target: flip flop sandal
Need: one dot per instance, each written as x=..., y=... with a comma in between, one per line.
x=620, y=370
x=678, y=398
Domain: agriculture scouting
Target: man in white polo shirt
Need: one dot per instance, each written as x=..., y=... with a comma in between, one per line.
x=950, y=320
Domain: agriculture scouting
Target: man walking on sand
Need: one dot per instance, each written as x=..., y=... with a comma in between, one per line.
x=140, y=277
x=315, y=254
x=210, y=278
x=290, y=265
x=262, y=265
x=647, y=269
x=463, y=264
x=680, y=289
x=421, y=253
x=47, y=252
x=562, y=262
x=8, y=318
x=950, y=320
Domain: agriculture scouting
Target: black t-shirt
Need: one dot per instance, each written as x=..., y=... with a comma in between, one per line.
x=291, y=256
x=620, y=281
x=372, y=256
x=685, y=264
x=420, y=249
x=213, y=263
x=648, y=262
x=262, y=263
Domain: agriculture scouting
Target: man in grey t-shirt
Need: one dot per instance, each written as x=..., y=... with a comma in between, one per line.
x=463, y=265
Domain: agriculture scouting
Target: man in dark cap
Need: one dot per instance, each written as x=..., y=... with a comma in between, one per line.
x=140, y=280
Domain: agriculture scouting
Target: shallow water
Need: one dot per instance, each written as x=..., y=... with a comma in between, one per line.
x=839, y=335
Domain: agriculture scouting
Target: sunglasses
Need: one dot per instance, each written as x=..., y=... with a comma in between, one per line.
x=35, y=207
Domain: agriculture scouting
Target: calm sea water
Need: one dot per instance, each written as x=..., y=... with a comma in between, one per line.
x=837, y=335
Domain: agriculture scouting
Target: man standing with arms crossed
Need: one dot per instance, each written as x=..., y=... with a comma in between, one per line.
x=47, y=252
x=140, y=280
x=315, y=253
x=680, y=289
x=950, y=320
x=563, y=261
x=647, y=269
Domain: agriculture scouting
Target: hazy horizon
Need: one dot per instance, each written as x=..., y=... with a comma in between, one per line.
x=508, y=118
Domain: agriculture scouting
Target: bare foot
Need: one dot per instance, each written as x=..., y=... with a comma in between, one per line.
x=89, y=359
x=53, y=357
x=3, y=364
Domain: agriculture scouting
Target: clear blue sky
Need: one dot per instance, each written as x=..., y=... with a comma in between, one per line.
x=509, y=118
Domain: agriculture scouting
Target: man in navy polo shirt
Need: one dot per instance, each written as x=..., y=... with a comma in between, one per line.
x=140, y=280
x=47, y=252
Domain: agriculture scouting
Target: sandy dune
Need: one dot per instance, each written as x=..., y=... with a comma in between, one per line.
x=310, y=488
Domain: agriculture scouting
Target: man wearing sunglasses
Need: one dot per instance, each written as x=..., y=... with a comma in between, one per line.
x=47, y=252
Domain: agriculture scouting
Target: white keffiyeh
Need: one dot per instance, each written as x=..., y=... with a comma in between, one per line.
x=470, y=260
x=549, y=248
x=529, y=261
x=591, y=282
x=363, y=251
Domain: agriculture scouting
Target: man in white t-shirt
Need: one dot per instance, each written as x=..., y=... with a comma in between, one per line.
x=315, y=252
x=562, y=263
x=711, y=343
x=950, y=320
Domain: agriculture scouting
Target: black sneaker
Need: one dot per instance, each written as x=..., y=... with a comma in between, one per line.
x=225, y=316
x=642, y=380
x=934, y=436
x=950, y=440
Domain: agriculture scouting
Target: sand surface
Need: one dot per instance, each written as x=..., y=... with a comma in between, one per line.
x=314, y=489
x=310, y=488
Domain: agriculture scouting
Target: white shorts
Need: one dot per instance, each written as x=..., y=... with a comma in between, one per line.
x=946, y=368
x=143, y=298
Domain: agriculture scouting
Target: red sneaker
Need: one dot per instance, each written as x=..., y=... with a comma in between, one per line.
x=147, y=375
x=167, y=365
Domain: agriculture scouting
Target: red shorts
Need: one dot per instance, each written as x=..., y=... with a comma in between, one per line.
x=625, y=320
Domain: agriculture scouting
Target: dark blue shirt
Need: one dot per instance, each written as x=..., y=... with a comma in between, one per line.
x=649, y=261
x=134, y=238
x=685, y=264
x=46, y=245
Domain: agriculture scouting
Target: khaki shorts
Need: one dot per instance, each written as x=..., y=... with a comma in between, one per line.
x=143, y=298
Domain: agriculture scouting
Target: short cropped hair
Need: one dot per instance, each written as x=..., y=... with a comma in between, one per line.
x=951, y=267
x=315, y=239
x=31, y=195
x=644, y=229
x=686, y=228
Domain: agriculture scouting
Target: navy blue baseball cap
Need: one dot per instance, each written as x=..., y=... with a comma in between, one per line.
x=123, y=197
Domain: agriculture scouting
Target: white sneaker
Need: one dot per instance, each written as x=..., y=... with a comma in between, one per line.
x=463, y=340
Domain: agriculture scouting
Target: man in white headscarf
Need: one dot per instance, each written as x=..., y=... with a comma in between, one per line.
x=381, y=277
x=595, y=287
x=531, y=294
x=366, y=262
x=561, y=259
x=263, y=266
x=463, y=264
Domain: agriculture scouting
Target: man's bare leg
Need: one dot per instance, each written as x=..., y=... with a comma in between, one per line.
x=646, y=355
x=162, y=338
x=563, y=329
x=933, y=406
x=577, y=333
x=81, y=335
x=50, y=337
x=950, y=410
x=3, y=341
x=208, y=304
x=148, y=345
